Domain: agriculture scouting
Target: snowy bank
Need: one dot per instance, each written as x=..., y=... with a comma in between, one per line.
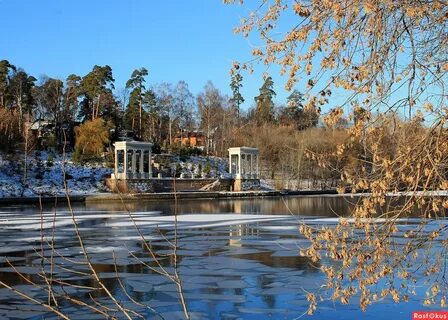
x=44, y=176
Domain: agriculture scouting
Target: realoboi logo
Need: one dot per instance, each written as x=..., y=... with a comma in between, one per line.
x=429, y=315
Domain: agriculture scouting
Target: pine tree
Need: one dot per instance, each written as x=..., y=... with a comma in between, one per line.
x=70, y=100
x=135, y=108
x=295, y=115
x=22, y=86
x=235, y=84
x=6, y=69
x=96, y=88
x=264, y=112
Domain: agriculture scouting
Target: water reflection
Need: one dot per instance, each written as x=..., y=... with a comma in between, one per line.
x=299, y=205
x=249, y=270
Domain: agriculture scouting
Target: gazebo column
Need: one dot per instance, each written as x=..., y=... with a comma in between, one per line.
x=125, y=164
x=243, y=165
x=134, y=163
x=141, y=164
x=149, y=164
x=239, y=166
x=230, y=163
x=257, y=172
x=254, y=165
x=249, y=165
x=116, y=164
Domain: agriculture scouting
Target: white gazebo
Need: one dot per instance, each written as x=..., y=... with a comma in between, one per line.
x=243, y=162
x=132, y=160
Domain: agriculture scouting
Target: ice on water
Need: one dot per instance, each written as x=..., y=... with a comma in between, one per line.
x=232, y=265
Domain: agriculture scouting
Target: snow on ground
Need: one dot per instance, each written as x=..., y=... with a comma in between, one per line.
x=45, y=176
x=265, y=185
x=199, y=166
x=213, y=167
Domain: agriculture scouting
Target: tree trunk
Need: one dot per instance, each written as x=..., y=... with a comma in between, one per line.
x=25, y=164
x=19, y=104
x=169, y=129
x=140, y=119
x=160, y=130
x=98, y=107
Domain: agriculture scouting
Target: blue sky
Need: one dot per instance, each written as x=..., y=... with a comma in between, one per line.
x=175, y=40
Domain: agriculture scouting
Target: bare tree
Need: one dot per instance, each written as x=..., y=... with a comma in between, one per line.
x=211, y=109
x=386, y=57
x=167, y=107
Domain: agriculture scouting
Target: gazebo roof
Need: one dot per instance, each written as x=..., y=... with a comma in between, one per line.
x=248, y=150
x=132, y=145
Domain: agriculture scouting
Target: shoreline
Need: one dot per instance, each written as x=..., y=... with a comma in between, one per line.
x=204, y=195
x=105, y=197
x=187, y=195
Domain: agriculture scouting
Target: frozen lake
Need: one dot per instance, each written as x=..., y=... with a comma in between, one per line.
x=237, y=259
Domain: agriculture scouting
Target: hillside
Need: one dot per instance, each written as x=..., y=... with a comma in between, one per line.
x=45, y=176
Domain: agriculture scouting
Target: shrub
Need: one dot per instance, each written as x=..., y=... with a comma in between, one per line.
x=91, y=138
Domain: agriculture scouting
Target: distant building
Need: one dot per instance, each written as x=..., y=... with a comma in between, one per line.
x=41, y=128
x=191, y=139
x=49, y=134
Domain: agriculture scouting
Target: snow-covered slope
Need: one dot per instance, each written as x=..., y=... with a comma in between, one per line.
x=45, y=176
x=199, y=166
